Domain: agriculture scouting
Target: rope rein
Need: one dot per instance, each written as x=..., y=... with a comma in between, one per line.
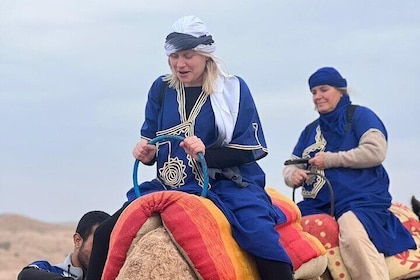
x=305, y=161
x=166, y=138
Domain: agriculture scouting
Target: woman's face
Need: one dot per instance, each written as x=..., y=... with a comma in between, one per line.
x=325, y=98
x=189, y=67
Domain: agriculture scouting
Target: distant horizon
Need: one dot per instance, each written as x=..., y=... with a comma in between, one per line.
x=69, y=223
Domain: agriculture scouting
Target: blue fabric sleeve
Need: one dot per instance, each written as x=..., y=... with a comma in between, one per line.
x=248, y=130
x=153, y=108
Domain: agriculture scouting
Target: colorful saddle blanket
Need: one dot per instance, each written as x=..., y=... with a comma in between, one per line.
x=203, y=234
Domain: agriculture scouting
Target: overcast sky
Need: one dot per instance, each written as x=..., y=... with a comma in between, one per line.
x=74, y=76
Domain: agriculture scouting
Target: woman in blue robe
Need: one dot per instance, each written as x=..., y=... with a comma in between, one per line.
x=347, y=145
x=215, y=115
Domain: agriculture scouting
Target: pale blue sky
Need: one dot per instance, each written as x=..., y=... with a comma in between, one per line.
x=74, y=76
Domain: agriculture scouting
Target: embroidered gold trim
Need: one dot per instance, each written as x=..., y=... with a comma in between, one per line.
x=317, y=182
x=173, y=173
x=250, y=147
x=186, y=127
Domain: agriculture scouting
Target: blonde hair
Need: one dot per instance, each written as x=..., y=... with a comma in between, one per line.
x=343, y=90
x=210, y=74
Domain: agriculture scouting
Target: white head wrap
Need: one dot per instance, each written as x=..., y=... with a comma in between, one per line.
x=189, y=33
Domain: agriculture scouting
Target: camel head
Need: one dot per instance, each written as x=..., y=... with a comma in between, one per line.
x=415, y=204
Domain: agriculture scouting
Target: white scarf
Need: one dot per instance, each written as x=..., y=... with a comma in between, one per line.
x=193, y=26
x=225, y=103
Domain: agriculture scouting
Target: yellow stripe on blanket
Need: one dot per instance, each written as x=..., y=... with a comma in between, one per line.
x=207, y=239
x=244, y=265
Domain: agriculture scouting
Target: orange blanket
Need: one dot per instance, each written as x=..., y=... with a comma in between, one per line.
x=201, y=230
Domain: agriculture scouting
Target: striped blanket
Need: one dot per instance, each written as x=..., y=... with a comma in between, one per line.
x=203, y=237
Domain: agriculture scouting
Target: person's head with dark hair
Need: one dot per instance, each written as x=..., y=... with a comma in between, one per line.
x=90, y=219
x=83, y=237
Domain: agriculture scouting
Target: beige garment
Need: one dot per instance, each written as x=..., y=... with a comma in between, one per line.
x=370, y=152
x=360, y=256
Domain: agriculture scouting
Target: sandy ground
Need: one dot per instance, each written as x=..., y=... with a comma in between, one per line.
x=23, y=240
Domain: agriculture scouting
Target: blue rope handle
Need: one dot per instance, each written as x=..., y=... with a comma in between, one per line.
x=172, y=137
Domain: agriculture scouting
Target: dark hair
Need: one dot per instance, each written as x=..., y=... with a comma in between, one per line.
x=88, y=221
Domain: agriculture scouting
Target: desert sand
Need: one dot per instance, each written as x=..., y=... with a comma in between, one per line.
x=23, y=240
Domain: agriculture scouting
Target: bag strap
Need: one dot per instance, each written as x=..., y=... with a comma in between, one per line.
x=350, y=112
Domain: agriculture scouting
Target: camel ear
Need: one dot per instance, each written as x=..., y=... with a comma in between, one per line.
x=415, y=204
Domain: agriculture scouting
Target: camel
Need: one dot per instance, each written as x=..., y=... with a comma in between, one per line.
x=173, y=235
